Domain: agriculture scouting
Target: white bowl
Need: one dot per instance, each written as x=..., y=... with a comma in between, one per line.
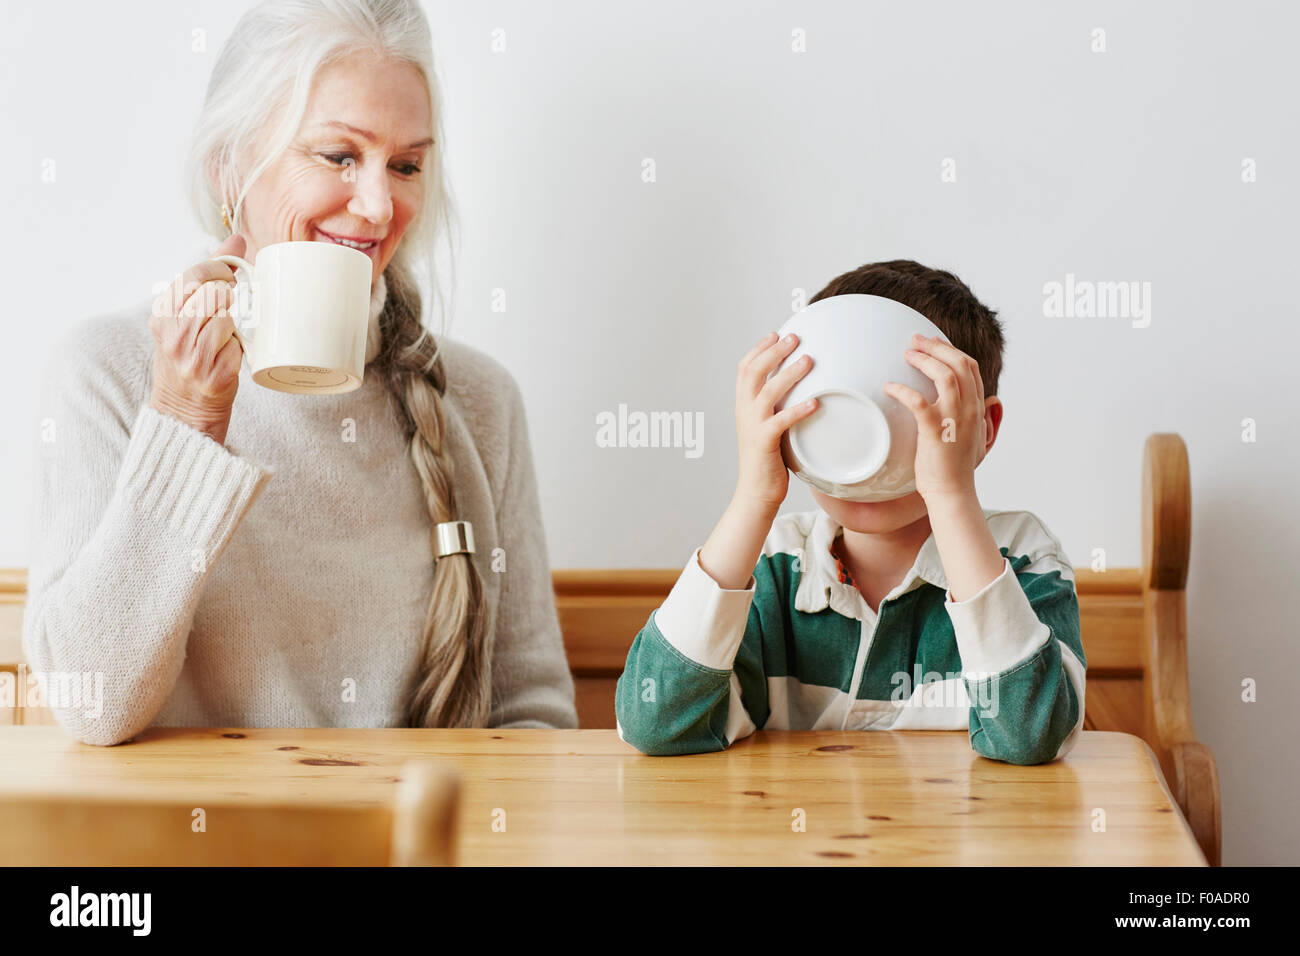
x=860, y=444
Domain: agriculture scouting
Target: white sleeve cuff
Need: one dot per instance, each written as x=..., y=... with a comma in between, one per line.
x=703, y=621
x=997, y=628
x=189, y=480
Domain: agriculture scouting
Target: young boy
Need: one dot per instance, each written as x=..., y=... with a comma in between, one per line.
x=923, y=612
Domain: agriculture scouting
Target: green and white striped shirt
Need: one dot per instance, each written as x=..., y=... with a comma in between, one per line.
x=800, y=649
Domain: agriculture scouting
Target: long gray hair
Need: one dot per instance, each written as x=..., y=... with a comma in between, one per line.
x=264, y=72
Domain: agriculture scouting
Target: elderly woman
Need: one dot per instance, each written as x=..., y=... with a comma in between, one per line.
x=221, y=554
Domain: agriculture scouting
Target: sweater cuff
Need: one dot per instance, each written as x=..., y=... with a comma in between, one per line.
x=186, y=478
x=997, y=628
x=703, y=621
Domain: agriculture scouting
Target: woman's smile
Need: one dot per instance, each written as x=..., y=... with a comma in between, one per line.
x=367, y=244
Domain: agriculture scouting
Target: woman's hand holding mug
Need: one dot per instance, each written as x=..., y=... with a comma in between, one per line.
x=196, y=357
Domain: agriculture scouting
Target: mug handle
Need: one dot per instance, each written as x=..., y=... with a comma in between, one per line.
x=237, y=263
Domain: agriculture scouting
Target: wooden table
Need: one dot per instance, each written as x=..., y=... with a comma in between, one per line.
x=585, y=797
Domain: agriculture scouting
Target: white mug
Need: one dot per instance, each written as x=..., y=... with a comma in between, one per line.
x=311, y=314
x=860, y=443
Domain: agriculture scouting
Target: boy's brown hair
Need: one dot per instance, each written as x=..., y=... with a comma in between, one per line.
x=939, y=296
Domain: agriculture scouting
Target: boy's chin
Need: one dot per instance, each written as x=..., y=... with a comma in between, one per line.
x=873, y=517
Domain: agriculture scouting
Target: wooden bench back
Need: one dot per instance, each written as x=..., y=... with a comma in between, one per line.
x=601, y=612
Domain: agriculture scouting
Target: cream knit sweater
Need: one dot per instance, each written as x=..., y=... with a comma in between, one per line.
x=280, y=580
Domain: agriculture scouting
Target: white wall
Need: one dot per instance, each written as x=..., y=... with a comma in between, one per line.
x=777, y=170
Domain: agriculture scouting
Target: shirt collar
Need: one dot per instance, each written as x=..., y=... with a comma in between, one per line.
x=820, y=586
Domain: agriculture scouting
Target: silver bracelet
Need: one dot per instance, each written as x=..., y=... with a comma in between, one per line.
x=455, y=537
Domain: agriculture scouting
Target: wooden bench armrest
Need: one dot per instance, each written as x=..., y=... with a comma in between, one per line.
x=1188, y=765
x=1196, y=788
